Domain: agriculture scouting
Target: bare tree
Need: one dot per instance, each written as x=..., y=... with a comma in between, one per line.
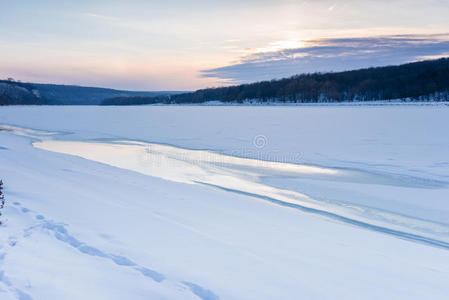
x=2, y=200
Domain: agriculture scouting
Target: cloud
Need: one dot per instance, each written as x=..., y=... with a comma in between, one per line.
x=339, y=54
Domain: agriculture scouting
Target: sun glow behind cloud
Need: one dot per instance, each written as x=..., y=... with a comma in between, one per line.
x=281, y=45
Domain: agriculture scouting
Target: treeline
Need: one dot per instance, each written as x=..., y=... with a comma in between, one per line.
x=419, y=81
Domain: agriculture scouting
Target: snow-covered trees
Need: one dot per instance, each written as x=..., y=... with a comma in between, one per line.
x=418, y=81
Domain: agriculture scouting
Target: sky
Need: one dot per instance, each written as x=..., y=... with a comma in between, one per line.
x=187, y=45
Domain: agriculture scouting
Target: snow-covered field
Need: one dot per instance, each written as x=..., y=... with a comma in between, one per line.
x=198, y=202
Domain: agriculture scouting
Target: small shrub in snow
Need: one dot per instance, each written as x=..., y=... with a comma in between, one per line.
x=2, y=200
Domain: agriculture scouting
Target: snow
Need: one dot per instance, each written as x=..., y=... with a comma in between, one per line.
x=180, y=202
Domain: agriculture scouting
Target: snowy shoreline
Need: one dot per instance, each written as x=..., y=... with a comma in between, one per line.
x=314, y=104
x=269, y=104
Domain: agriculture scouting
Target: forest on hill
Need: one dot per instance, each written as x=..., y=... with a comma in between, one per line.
x=14, y=92
x=418, y=81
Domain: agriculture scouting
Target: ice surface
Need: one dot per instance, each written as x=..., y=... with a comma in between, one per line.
x=164, y=202
x=244, y=176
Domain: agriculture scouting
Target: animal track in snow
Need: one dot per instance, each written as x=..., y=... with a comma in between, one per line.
x=61, y=233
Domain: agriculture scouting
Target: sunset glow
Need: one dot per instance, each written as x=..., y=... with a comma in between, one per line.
x=153, y=45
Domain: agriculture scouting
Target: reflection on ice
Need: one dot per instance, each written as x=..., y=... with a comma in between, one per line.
x=246, y=176
x=27, y=132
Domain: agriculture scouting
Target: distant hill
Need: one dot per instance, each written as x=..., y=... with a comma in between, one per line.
x=419, y=81
x=12, y=92
x=72, y=94
x=19, y=93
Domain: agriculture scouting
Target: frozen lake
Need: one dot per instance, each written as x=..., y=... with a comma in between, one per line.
x=226, y=202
